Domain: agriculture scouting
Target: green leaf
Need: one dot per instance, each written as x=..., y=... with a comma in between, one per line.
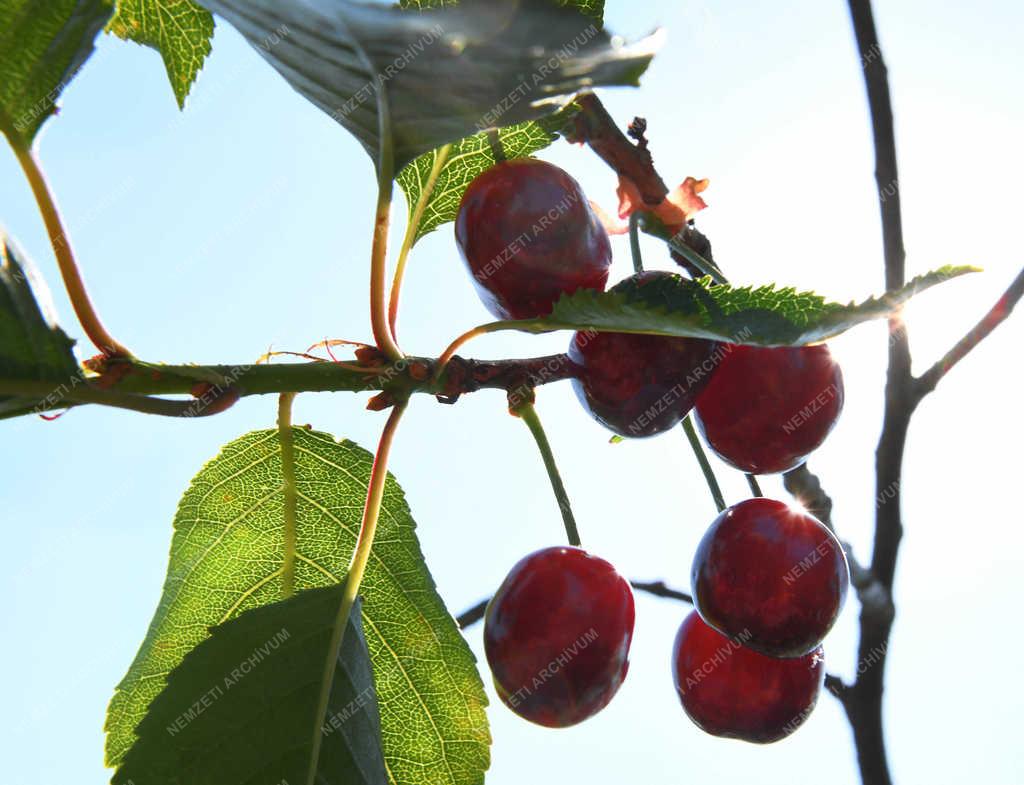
x=407, y=83
x=32, y=347
x=180, y=30
x=42, y=47
x=761, y=316
x=435, y=182
x=226, y=557
x=244, y=706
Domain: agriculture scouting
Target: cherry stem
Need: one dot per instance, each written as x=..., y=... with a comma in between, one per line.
x=415, y=219
x=754, y=487
x=528, y=414
x=634, y=242
x=357, y=567
x=691, y=434
x=705, y=466
x=286, y=437
x=73, y=281
x=378, y=275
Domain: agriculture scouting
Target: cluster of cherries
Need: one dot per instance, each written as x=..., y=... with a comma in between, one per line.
x=768, y=580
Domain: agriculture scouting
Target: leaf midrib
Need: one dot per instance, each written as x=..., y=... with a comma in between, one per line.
x=441, y=159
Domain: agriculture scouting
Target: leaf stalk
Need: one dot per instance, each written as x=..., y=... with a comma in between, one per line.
x=74, y=284
x=411, y=230
x=378, y=274
x=356, y=570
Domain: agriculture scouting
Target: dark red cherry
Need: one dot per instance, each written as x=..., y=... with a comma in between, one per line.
x=527, y=234
x=766, y=410
x=557, y=636
x=732, y=691
x=640, y=385
x=772, y=574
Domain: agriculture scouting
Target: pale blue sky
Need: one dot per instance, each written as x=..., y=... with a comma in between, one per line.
x=245, y=222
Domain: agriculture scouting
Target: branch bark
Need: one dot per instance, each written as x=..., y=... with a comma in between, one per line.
x=595, y=127
x=598, y=129
x=863, y=699
x=126, y=382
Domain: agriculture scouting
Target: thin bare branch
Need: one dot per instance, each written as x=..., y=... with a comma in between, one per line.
x=997, y=315
x=863, y=700
x=472, y=615
x=806, y=488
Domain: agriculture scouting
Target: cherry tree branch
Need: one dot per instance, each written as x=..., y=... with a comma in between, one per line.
x=806, y=488
x=123, y=381
x=999, y=312
x=127, y=382
x=472, y=615
x=51, y=398
x=836, y=686
x=863, y=699
x=659, y=589
x=594, y=126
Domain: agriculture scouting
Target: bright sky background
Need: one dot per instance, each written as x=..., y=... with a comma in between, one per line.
x=244, y=222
